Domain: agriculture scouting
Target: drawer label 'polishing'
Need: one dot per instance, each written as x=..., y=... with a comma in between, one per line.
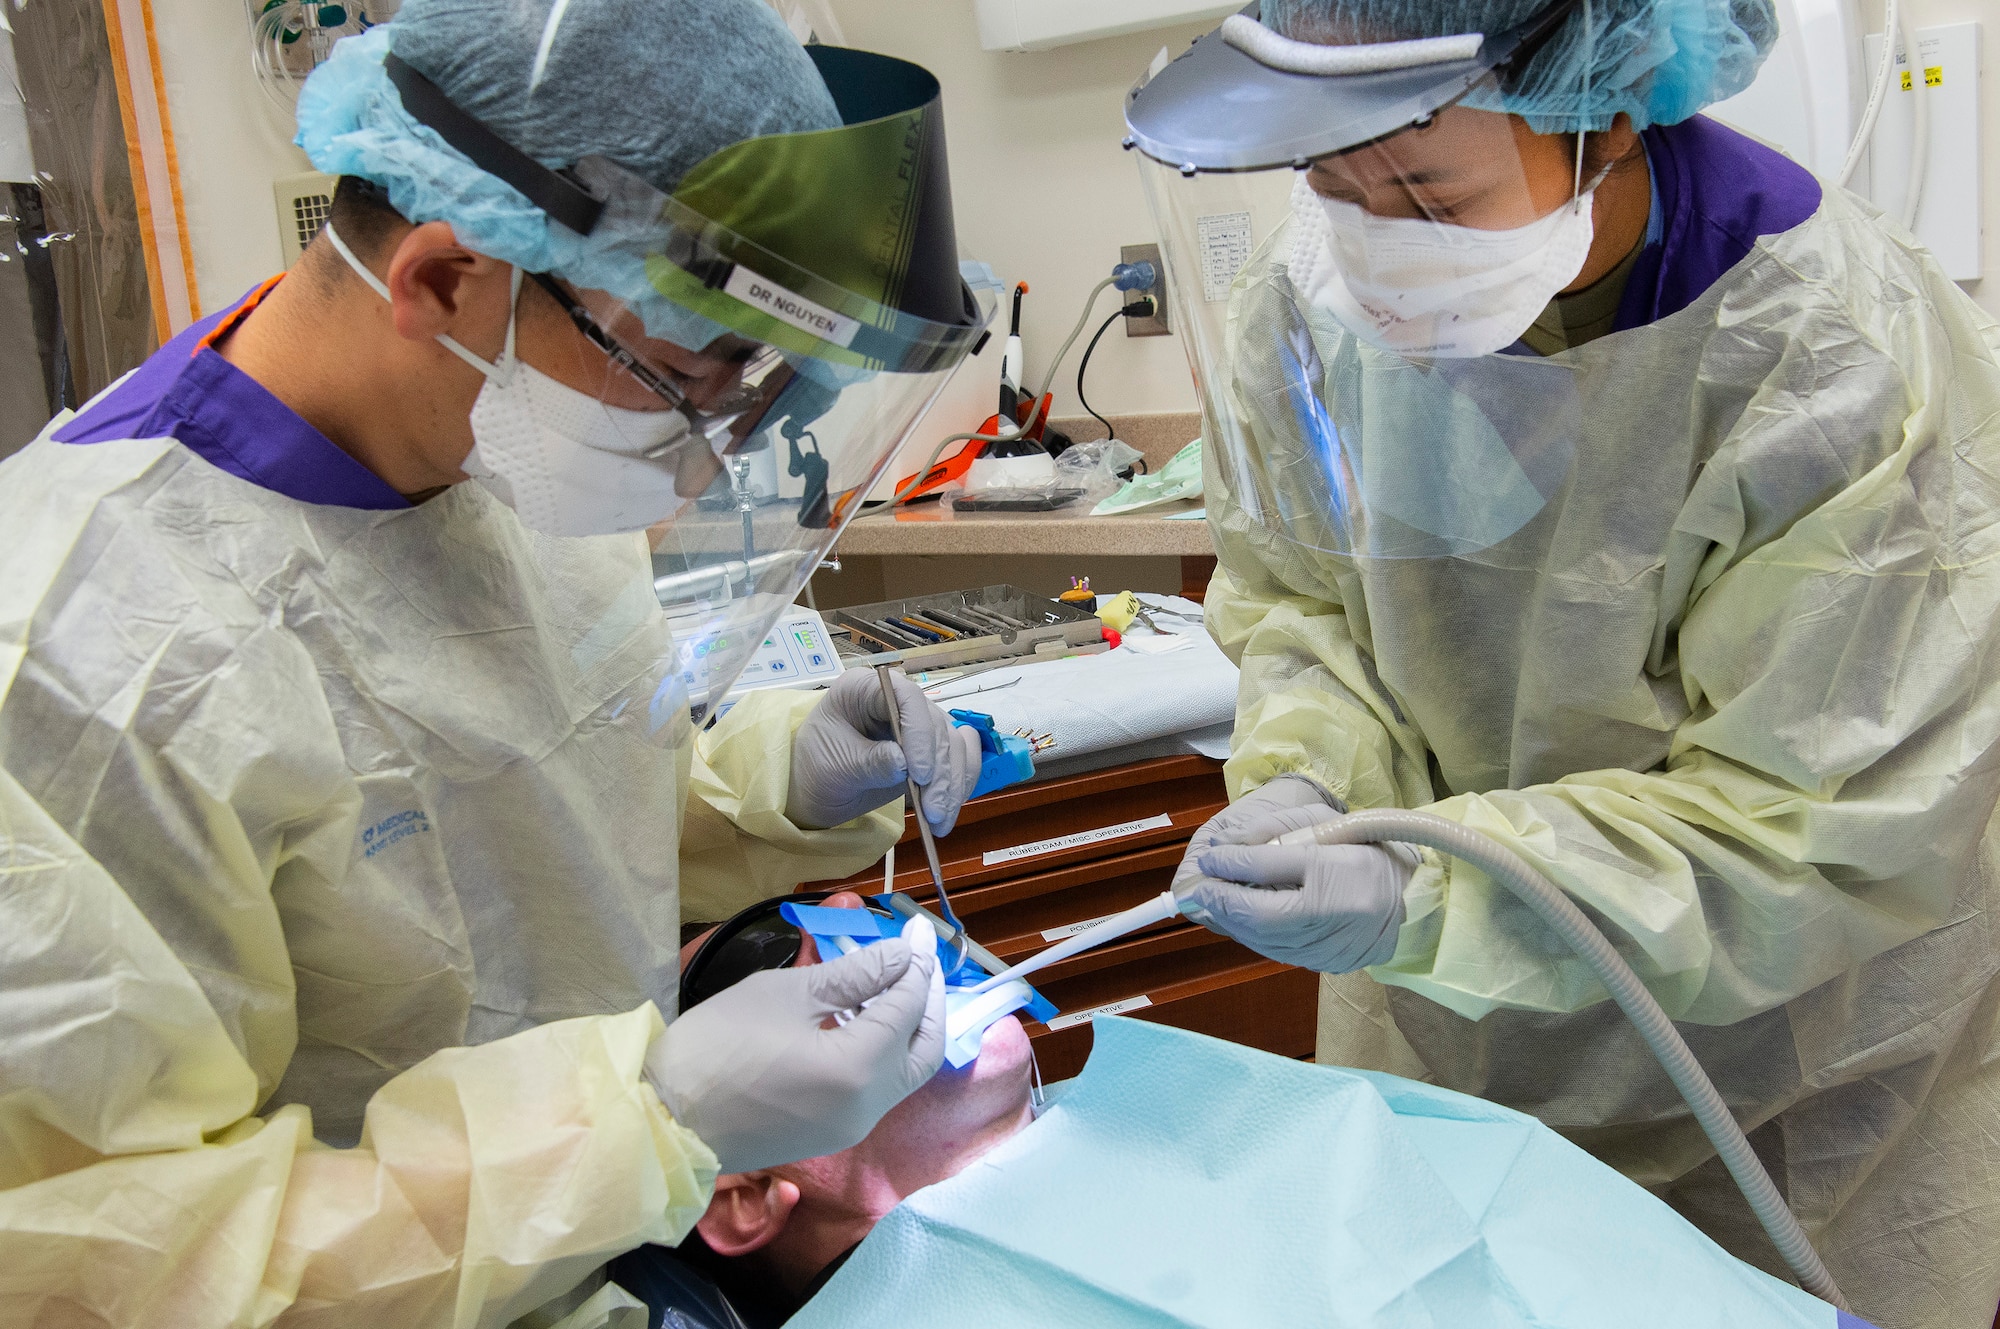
x=1112, y=1008
x=1071, y=929
x=1076, y=840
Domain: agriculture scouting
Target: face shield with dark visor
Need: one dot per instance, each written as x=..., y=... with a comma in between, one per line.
x=755, y=346
x=1358, y=235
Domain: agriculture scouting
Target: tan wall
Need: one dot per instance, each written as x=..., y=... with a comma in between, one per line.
x=1043, y=190
x=231, y=140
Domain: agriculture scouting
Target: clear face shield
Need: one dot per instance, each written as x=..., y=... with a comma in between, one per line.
x=743, y=356
x=744, y=406
x=1356, y=254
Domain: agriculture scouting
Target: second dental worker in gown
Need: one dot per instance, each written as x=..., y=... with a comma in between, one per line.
x=1590, y=475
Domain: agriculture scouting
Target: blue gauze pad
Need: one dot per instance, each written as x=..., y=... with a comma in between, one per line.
x=864, y=927
x=821, y=921
x=1185, y=1181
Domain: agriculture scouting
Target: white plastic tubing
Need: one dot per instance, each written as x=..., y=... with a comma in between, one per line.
x=1877, y=90
x=1559, y=912
x=1896, y=22
x=1277, y=51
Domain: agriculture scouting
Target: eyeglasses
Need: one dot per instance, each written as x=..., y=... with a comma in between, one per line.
x=761, y=377
x=755, y=939
x=759, y=937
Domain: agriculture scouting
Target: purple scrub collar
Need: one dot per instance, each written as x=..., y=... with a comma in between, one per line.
x=1715, y=193
x=187, y=392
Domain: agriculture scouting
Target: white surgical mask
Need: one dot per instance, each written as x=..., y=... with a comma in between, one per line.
x=1422, y=288
x=567, y=463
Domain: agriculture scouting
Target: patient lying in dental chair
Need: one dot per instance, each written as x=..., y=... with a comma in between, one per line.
x=1185, y=1181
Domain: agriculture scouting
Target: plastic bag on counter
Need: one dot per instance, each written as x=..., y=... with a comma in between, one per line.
x=1062, y=486
x=1098, y=467
x=1178, y=479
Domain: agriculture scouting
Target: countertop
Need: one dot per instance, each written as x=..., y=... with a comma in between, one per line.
x=935, y=529
x=931, y=528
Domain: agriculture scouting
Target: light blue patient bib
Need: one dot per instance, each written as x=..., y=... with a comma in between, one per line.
x=1186, y=1181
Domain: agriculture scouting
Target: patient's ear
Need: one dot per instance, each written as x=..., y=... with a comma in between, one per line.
x=748, y=1211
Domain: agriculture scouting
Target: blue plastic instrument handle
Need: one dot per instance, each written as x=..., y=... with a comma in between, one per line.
x=1004, y=759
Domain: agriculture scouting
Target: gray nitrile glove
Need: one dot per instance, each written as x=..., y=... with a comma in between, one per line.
x=845, y=760
x=752, y=1073
x=1333, y=908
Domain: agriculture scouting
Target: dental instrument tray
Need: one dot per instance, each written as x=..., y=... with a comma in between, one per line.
x=964, y=627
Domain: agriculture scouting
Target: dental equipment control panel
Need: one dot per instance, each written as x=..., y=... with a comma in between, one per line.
x=795, y=653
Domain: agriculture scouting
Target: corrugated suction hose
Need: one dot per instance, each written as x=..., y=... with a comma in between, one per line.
x=1373, y=826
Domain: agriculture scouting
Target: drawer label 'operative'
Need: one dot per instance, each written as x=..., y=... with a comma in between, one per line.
x=1113, y=1008
x=1075, y=840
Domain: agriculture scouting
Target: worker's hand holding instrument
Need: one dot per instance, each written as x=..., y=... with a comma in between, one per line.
x=1333, y=908
x=846, y=760
x=1248, y=819
x=764, y=1073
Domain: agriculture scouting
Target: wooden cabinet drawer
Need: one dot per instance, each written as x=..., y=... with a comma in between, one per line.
x=1265, y=1005
x=1136, y=967
x=1010, y=918
x=1185, y=790
x=1189, y=976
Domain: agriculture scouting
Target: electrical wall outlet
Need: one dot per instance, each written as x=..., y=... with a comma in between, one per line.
x=1156, y=326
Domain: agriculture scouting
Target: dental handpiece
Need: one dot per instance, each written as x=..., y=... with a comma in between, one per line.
x=1156, y=910
x=916, y=805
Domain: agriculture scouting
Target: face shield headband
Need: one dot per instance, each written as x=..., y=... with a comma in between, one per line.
x=833, y=245
x=1245, y=98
